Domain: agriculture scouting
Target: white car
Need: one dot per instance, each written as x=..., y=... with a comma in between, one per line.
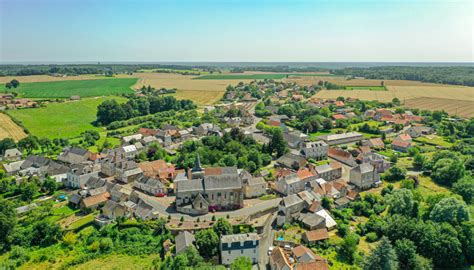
x=270, y=249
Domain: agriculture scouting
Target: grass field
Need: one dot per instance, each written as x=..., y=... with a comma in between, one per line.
x=370, y=88
x=83, y=88
x=8, y=129
x=61, y=120
x=434, y=140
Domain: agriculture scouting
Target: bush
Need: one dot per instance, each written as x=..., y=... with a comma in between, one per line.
x=372, y=237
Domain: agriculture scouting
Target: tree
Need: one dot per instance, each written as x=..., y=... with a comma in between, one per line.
x=29, y=144
x=5, y=144
x=465, y=188
x=407, y=257
x=383, y=257
x=326, y=203
x=400, y=202
x=109, y=111
x=396, y=101
x=277, y=143
x=450, y=210
x=418, y=161
x=348, y=247
x=8, y=85
x=7, y=222
x=28, y=191
x=447, y=171
x=15, y=83
x=395, y=173
x=222, y=227
x=241, y=263
x=207, y=242
x=50, y=185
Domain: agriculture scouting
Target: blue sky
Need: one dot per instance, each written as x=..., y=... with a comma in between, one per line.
x=292, y=30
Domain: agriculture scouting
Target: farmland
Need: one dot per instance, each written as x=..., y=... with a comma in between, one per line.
x=463, y=108
x=369, y=88
x=60, y=120
x=8, y=129
x=83, y=88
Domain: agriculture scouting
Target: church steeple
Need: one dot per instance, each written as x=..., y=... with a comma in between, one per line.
x=197, y=164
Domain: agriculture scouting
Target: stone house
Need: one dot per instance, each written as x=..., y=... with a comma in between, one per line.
x=237, y=245
x=364, y=176
x=418, y=131
x=317, y=150
x=254, y=187
x=12, y=155
x=329, y=172
x=314, y=236
x=74, y=155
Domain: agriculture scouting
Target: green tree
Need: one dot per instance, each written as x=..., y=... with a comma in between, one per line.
x=348, y=247
x=450, y=210
x=222, y=227
x=400, y=201
x=419, y=161
x=465, y=188
x=407, y=256
x=29, y=144
x=15, y=83
x=383, y=257
x=28, y=190
x=7, y=222
x=50, y=185
x=207, y=242
x=5, y=144
x=277, y=143
x=241, y=263
x=447, y=171
x=395, y=173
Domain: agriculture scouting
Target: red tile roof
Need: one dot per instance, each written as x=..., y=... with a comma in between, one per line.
x=304, y=173
x=338, y=116
x=317, y=235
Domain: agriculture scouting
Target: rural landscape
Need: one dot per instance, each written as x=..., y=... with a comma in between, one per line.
x=239, y=135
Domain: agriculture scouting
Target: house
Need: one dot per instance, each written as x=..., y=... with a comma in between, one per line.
x=376, y=160
x=129, y=151
x=289, y=206
x=237, y=245
x=364, y=176
x=74, y=155
x=294, y=182
x=302, y=254
x=338, y=117
x=12, y=155
x=279, y=260
x=113, y=210
x=13, y=167
x=291, y=161
x=79, y=174
x=343, y=138
x=294, y=138
x=312, y=221
x=183, y=240
x=93, y=202
x=342, y=156
x=317, y=150
x=330, y=222
x=329, y=172
x=151, y=186
x=146, y=132
x=75, y=97
x=132, y=138
x=375, y=143
x=382, y=113
x=319, y=264
x=418, y=131
x=401, y=146
x=254, y=187
x=158, y=169
x=314, y=236
x=144, y=210
x=404, y=137
x=210, y=189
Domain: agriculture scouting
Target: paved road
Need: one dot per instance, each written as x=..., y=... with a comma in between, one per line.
x=243, y=212
x=266, y=241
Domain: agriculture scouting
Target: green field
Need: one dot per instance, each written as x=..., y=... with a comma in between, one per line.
x=83, y=88
x=272, y=76
x=370, y=88
x=61, y=120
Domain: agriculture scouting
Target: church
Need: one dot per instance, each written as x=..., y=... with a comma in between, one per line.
x=203, y=190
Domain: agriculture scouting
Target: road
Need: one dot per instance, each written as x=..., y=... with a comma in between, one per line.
x=266, y=241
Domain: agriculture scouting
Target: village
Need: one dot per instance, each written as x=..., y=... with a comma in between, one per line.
x=327, y=161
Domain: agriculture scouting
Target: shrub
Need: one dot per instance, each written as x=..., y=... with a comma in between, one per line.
x=372, y=237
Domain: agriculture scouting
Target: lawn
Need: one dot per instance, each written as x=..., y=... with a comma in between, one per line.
x=434, y=140
x=271, y=76
x=83, y=88
x=61, y=120
x=370, y=88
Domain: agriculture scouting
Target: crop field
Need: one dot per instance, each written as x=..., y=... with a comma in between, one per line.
x=47, y=78
x=463, y=108
x=83, y=88
x=61, y=120
x=8, y=129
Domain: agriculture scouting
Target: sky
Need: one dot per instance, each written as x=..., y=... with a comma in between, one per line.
x=236, y=31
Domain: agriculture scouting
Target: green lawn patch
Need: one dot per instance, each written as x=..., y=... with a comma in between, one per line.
x=434, y=140
x=270, y=76
x=83, y=88
x=82, y=222
x=61, y=120
x=370, y=88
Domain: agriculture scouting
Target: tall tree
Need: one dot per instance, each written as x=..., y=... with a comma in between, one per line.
x=450, y=210
x=241, y=263
x=7, y=222
x=383, y=257
x=207, y=242
x=400, y=201
x=222, y=227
